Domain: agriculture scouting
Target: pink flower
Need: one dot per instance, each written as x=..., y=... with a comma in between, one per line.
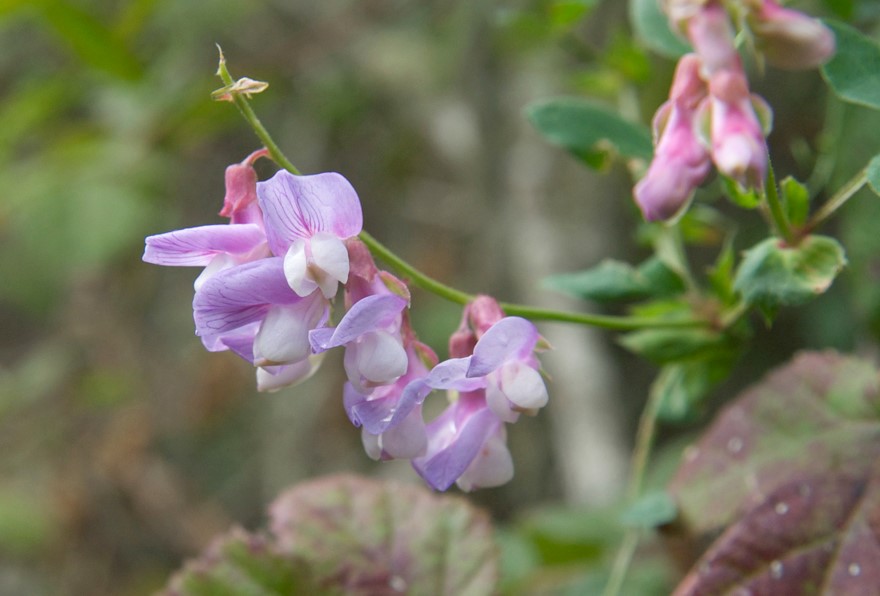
x=739, y=149
x=681, y=161
x=308, y=218
x=788, y=38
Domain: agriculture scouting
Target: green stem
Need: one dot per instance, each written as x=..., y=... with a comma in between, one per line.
x=780, y=220
x=533, y=313
x=639, y=464
x=432, y=285
x=414, y=275
x=248, y=113
x=852, y=186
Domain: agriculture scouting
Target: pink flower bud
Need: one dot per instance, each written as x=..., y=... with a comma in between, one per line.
x=711, y=33
x=738, y=146
x=241, y=185
x=790, y=39
x=681, y=161
x=484, y=312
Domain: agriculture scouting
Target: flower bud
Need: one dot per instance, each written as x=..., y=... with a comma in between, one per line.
x=241, y=186
x=681, y=161
x=790, y=39
x=738, y=146
x=712, y=35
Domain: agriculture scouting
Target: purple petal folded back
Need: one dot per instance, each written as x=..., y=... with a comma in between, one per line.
x=511, y=338
x=300, y=206
x=444, y=464
x=196, y=247
x=241, y=295
x=370, y=314
x=377, y=415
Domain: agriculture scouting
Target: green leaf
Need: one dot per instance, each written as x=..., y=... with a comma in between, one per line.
x=720, y=275
x=773, y=275
x=352, y=531
x=818, y=415
x=683, y=387
x=90, y=39
x=564, y=13
x=796, y=199
x=651, y=510
x=612, y=281
x=652, y=27
x=242, y=564
x=854, y=71
x=872, y=172
x=670, y=345
x=589, y=131
x=842, y=8
x=747, y=198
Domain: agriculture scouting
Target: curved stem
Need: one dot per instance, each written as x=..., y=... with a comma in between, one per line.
x=248, y=113
x=639, y=464
x=838, y=200
x=430, y=284
x=415, y=276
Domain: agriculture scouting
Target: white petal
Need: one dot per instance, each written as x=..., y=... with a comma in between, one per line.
x=296, y=269
x=329, y=262
x=493, y=465
x=497, y=400
x=290, y=375
x=283, y=337
x=377, y=358
x=523, y=386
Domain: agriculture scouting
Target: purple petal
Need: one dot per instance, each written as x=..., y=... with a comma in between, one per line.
x=452, y=448
x=511, y=338
x=370, y=314
x=196, y=247
x=301, y=206
x=377, y=415
x=235, y=297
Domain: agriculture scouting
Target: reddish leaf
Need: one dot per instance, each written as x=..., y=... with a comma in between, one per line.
x=372, y=537
x=817, y=416
x=816, y=536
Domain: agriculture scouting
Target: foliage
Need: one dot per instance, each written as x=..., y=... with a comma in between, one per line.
x=352, y=535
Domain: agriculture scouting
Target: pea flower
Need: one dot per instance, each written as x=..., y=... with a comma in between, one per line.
x=500, y=380
x=308, y=218
x=251, y=310
x=787, y=38
x=681, y=160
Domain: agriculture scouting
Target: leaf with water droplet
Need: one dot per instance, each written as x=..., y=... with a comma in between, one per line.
x=351, y=535
x=363, y=532
x=822, y=540
x=791, y=469
x=819, y=413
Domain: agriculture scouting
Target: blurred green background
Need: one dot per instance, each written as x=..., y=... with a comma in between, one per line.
x=125, y=446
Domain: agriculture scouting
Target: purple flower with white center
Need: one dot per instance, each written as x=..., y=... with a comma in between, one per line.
x=495, y=384
x=307, y=219
x=461, y=442
x=253, y=304
x=390, y=417
x=370, y=332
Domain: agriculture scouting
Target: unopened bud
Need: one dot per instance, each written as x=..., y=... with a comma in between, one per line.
x=790, y=39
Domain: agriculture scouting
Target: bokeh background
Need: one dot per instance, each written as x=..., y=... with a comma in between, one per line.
x=125, y=446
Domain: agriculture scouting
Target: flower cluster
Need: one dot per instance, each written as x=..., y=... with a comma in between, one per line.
x=267, y=291
x=711, y=117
